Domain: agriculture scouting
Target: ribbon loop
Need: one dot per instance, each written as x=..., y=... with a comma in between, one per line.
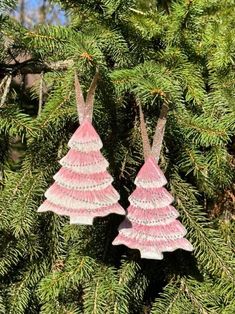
x=155, y=150
x=79, y=99
x=159, y=132
x=90, y=97
x=144, y=134
x=85, y=108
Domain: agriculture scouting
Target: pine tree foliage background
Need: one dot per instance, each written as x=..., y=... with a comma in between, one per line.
x=180, y=52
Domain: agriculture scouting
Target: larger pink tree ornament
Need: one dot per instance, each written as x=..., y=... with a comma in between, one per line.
x=151, y=224
x=82, y=189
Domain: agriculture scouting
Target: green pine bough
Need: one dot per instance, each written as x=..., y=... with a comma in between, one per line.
x=181, y=52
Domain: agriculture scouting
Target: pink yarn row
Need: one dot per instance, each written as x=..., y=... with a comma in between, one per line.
x=62, y=210
x=153, y=247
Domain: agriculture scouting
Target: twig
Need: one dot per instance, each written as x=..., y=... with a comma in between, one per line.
x=22, y=11
x=159, y=132
x=6, y=90
x=40, y=94
x=12, y=55
x=137, y=11
x=3, y=81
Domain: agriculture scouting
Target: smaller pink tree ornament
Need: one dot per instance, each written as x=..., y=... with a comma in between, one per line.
x=151, y=224
x=83, y=188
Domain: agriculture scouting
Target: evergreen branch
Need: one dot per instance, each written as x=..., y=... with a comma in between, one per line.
x=24, y=219
x=22, y=203
x=184, y=295
x=57, y=282
x=202, y=235
x=7, y=5
x=2, y=306
x=175, y=50
x=127, y=274
x=20, y=293
x=221, y=265
x=210, y=131
x=169, y=298
x=18, y=184
x=194, y=300
x=12, y=255
x=204, y=130
x=15, y=122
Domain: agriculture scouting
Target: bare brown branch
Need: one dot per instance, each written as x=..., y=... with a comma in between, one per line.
x=6, y=90
x=3, y=81
x=40, y=94
x=34, y=67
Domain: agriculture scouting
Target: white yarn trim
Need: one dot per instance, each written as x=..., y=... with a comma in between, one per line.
x=42, y=208
x=86, y=169
x=153, y=204
x=81, y=220
x=143, y=236
x=150, y=184
x=83, y=185
x=88, y=146
x=72, y=203
x=187, y=246
x=151, y=255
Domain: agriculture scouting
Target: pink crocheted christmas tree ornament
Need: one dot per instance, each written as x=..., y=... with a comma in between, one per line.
x=151, y=225
x=82, y=187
